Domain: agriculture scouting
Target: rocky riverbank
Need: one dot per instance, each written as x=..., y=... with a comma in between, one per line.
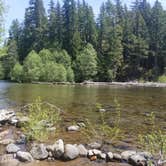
x=17, y=151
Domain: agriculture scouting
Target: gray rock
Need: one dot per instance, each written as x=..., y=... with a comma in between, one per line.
x=73, y=128
x=102, y=110
x=12, y=148
x=39, y=152
x=24, y=156
x=58, y=148
x=96, y=152
x=7, y=141
x=147, y=155
x=90, y=153
x=82, y=150
x=95, y=145
x=71, y=152
x=13, y=120
x=117, y=156
x=109, y=156
x=126, y=154
x=102, y=156
x=137, y=160
x=6, y=115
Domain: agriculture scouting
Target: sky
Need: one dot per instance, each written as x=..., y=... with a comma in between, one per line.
x=16, y=8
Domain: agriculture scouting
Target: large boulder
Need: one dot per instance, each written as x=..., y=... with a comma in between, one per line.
x=39, y=152
x=24, y=156
x=94, y=145
x=71, y=152
x=58, y=149
x=6, y=141
x=12, y=148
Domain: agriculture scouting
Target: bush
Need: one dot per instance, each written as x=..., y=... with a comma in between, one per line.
x=32, y=67
x=62, y=57
x=53, y=72
x=17, y=73
x=2, y=72
x=45, y=55
x=41, y=115
x=162, y=79
x=70, y=74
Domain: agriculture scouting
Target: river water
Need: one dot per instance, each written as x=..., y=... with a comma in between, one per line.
x=79, y=102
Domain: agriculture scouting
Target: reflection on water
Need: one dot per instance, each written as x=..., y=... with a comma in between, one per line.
x=79, y=101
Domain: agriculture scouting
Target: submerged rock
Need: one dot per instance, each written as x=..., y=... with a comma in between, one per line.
x=8, y=160
x=94, y=145
x=39, y=152
x=73, y=128
x=12, y=148
x=71, y=152
x=24, y=156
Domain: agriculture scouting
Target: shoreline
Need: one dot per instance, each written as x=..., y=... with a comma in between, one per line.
x=124, y=84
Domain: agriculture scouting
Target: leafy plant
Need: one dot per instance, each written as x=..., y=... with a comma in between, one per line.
x=102, y=130
x=41, y=115
x=155, y=140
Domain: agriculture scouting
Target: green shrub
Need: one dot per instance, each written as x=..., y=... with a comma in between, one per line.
x=41, y=115
x=45, y=55
x=162, y=79
x=70, y=74
x=103, y=131
x=2, y=72
x=154, y=140
x=17, y=73
x=32, y=67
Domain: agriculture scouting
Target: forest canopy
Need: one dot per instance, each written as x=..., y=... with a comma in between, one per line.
x=68, y=43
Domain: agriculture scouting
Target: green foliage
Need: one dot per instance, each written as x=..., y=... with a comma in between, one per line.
x=62, y=57
x=70, y=74
x=17, y=73
x=102, y=130
x=32, y=67
x=2, y=73
x=41, y=115
x=86, y=64
x=155, y=140
x=45, y=55
x=162, y=79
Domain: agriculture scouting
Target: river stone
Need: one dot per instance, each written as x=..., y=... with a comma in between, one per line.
x=5, y=115
x=126, y=154
x=109, y=156
x=102, y=110
x=4, y=134
x=96, y=152
x=8, y=160
x=58, y=148
x=7, y=141
x=24, y=156
x=73, y=128
x=147, y=155
x=71, y=152
x=117, y=156
x=39, y=152
x=12, y=148
x=137, y=160
x=82, y=150
x=95, y=145
x=90, y=153
x=102, y=156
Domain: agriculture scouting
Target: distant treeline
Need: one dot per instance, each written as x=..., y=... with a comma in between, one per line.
x=68, y=43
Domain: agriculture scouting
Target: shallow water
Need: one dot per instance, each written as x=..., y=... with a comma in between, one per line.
x=79, y=103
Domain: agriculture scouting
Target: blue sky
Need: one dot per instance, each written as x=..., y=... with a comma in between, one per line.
x=16, y=8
